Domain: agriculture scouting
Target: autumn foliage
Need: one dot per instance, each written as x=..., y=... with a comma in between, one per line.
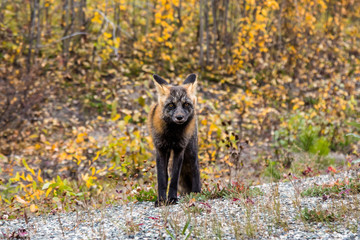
x=279, y=92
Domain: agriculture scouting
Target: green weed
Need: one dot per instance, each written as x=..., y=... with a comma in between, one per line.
x=317, y=215
x=146, y=195
x=345, y=187
x=231, y=190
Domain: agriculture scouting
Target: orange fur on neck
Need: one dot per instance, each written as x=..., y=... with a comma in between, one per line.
x=156, y=122
x=190, y=128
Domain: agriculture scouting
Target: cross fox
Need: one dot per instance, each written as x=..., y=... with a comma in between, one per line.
x=173, y=126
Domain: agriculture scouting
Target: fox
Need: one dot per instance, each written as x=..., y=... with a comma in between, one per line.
x=172, y=124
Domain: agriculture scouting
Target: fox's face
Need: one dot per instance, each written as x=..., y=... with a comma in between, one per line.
x=177, y=102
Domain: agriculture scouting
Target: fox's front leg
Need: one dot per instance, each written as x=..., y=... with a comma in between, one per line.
x=176, y=169
x=162, y=160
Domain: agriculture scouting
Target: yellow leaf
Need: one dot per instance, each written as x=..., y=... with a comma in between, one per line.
x=33, y=208
x=107, y=35
x=96, y=18
x=112, y=167
x=204, y=122
x=63, y=156
x=116, y=117
x=101, y=170
x=137, y=134
x=20, y=200
x=192, y=201
x=97, y=155
x=92, y=139
x=70, y=149
x=34, y=136
x=213, y=127
x=22, y=176
x=80, y=137
x=169, y=44
x=48, y=191
x=39, y=177
x=29, y=178
x=37, y=146
x=230, y=163
x=16, y=178
x=313, y=114
x=28, y=168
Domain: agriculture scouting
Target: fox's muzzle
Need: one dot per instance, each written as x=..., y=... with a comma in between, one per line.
x=179, y=117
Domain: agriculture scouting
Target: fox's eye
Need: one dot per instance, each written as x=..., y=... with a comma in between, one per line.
x=186, y=105
x=171, y=105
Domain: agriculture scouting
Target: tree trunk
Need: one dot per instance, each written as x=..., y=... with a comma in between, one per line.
x=225, y=37
x=207, y=33
x=38, y=28
x=2, y=10
x=147, y=17
x=214, y=6
x=47, y=22
x=31, y=34
x=201, y=57
x=64, y=24
x=179, y=14
x=83, y=17
x=117, y=23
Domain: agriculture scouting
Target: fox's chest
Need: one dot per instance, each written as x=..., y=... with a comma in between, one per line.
x=172, y=139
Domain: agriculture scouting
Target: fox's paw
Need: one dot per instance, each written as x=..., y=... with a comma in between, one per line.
x=159, y=203
x=172, y=201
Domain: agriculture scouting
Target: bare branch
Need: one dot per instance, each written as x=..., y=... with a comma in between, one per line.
x=112, y=24
x=63, y=38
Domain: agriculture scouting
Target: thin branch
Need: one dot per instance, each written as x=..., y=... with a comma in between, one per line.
x=112, y=24
x=63, y=38
x=71, y=35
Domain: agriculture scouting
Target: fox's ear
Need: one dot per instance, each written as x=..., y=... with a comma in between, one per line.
x=161, y=85
x=191, y=83
x=160, y=80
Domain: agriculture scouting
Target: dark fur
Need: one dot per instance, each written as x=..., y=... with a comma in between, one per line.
x=173, y=126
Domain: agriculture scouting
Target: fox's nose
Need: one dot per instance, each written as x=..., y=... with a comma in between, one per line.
x=179, y=117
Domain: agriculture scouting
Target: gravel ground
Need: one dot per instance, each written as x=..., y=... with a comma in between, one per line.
x=273, y=215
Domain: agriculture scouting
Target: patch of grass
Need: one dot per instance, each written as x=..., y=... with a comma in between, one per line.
x=277, y=206
x=317, y=215
x=231, y=190
x=92, y=102
x=250, y=226
x=342, y=188
x=217, y=228
x=310, y=165
x=176, y=231
x=146, y=195
x=196, y=208
x=131, y=226
x=272, y=171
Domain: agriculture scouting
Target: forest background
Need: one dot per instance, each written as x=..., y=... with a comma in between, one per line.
x=279, y=92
